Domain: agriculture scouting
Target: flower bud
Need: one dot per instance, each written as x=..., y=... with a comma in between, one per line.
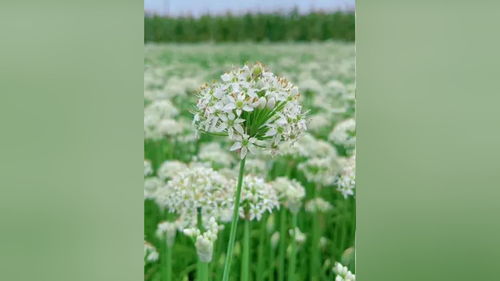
x=271, y=103
x=261, y=103
x=204, y=249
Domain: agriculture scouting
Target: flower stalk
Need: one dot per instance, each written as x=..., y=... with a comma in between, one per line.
x=245, y=262
x=234, y=223
x=293, y=250
x=282, y=245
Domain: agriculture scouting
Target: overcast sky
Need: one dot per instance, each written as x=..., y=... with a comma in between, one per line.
x=197, y=7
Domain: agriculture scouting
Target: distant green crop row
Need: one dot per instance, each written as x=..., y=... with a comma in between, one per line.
x=251, y=27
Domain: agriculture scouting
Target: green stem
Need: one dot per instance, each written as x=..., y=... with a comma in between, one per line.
x=293, y=252
x=169, y=264
x=282, y=245
x=203, y=271
x=245, y=260
x=272, y=263
x=234, y=224
x=314, y=265
x=260, y=253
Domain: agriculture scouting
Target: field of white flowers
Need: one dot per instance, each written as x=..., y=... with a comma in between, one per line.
x=288, y=144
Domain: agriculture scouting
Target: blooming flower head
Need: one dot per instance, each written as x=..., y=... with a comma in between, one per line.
x=170, y=168
x=344, y=134
x=290, y=192
x=150, y=253
x=214, y=154
x=196, y=188
x=150, y=186
x=343, y=273
x=252, y=106
x=346, y=178
x=257, y=197
x=318, y=205
x=167, y=230
x=158, y=120
x=309, y=147
x=322, y=170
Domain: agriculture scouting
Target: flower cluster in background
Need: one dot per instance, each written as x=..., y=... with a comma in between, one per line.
x=190, y=179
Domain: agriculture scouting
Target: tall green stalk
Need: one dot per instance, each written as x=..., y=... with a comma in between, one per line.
x=260, y=252
x=293, y=247
x=169, y=264
x=282, y=245
x=245, y=261
x=234, y=224
x=203, y=271
x=315, y=253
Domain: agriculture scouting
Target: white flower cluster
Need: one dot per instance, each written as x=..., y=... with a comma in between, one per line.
x=344, y=134
x=322, y=170
x=309, y=147
x=254, y=107
x=255, y=166
x=214, y=154
x=150, y=253
x=197, y=188
x=148, y=169
x=158, y=120
x=318, y=205
x=343, y=273
x=167, y=230
x=170, y=168
x=346, y=180
x=299, y=236
x=204, y=239
x=257, y=197
x=290, y=192
x=151, y=185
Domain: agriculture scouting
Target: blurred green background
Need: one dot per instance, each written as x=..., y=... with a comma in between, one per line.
x=271, y=27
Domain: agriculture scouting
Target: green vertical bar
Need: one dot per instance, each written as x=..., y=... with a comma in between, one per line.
x=427, y=140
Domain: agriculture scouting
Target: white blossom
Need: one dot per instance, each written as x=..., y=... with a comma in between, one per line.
x=150, y=186
x=318, y=205
x=322, y=171
x=150, y=253
x=344, y=134
x=257, y=197
x=253, y=107
x=298, y=235
x=214, y=154
x=346, y=178
x=343, y=273
x=196, y=188
x=167, y=230
x=205, y=239
x=290, y=193
x=148, y=169
x=170, y=168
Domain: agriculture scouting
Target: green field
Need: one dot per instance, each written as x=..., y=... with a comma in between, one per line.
x=322, y=161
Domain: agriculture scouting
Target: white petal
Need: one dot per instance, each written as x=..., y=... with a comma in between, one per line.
x=252, y=148
x=243, y=152
x=236, y=145
x=270, y=132
x=239, y=128
x=229, y=107
x=247, y=108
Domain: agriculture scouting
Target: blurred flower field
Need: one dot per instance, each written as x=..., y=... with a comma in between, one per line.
x=297, y=213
